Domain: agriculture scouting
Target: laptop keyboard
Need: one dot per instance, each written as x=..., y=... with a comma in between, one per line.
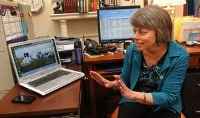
x=48, y=78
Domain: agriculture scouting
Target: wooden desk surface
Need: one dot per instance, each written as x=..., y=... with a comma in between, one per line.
x=193, y=49
x=105, y=58
x=118, y=56
x=64, y=100
x=61, y=101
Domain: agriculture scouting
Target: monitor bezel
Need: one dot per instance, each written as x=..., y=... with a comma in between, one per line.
x=98, y=22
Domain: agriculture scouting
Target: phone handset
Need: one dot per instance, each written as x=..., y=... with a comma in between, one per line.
x=92, y=46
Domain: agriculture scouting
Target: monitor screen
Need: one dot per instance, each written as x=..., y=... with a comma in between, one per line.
x=114, y=24
x=33, y=56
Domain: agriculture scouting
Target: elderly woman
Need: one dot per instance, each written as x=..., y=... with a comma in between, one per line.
x=154, y=68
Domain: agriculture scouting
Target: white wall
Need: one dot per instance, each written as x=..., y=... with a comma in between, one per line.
x=179, y=11
x=43, y=26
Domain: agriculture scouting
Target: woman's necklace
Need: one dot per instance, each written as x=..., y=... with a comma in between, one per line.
x=150, y=61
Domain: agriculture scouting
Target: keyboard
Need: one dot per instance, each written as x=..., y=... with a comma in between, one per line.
x=48, y=78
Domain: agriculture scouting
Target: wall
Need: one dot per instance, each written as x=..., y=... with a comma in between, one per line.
x=43, y=26
x=179, y=11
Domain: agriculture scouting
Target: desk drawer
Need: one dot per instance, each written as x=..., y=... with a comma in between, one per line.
x=192, y=110
x=194, y=61
x=191, y=88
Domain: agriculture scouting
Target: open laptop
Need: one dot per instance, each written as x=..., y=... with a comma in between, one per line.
x=37, y=66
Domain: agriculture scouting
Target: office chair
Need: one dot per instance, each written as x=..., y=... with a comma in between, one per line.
x=115, y=113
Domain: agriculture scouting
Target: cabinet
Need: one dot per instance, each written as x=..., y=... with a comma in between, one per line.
x=106, y=99
x=103, y=100
x=191, y=86
x=191, y=96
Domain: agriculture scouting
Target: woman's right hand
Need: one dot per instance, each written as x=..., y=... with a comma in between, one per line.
x=102, y=81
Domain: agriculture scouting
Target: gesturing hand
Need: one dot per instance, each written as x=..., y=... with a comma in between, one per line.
x=101, y=80
x=124, y=90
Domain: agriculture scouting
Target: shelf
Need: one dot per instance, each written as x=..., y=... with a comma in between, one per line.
x=63, y=18
x=73, y=16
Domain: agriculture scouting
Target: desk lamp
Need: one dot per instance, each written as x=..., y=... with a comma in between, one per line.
x=169, y=5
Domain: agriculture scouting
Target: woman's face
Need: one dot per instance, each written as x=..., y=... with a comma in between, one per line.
x=144, y=38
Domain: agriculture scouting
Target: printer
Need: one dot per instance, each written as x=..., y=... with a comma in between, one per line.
x=65, y=47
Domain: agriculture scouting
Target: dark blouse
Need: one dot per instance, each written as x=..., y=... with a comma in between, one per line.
x=150, y=79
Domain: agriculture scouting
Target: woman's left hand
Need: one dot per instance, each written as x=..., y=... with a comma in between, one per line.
x=124, y=90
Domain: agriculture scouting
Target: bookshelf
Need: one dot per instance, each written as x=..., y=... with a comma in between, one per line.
x=64, y=17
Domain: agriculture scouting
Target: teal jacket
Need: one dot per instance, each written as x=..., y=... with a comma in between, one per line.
x=173, y=71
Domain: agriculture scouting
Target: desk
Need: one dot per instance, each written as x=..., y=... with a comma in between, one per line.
x=194, y=52
x=61, y=102
x=91, y=64
x=118, y=57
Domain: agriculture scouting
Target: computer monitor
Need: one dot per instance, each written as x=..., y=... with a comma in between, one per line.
x=114, y=24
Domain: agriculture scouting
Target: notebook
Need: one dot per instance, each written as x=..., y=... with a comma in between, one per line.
x=37, y=66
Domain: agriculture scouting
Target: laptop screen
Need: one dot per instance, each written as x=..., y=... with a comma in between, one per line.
x=31, y=57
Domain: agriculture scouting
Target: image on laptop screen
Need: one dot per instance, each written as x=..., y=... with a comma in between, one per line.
x=34, y=57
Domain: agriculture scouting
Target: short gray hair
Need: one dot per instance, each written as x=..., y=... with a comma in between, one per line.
x=154, y=17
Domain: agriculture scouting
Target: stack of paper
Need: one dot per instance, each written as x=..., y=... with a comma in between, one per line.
x=186, y=28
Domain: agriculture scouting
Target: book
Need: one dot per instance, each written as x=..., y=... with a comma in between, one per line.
x=71, y=6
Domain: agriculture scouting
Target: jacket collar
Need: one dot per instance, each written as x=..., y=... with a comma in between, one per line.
x=173, y=51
